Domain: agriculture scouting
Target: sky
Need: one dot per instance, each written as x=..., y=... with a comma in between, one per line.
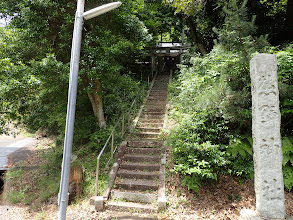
x=4, y=21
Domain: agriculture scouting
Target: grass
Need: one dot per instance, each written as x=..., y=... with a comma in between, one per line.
x=36, y=187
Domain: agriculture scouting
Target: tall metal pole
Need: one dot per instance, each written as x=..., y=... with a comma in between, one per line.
x=73, y=81
x=72, y=92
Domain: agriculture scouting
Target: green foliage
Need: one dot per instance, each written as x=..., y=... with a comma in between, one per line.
x=211, y=96
x=196, y=154
x=187, y=7
x=237, y=33
x=287, y=147
x=240, y=153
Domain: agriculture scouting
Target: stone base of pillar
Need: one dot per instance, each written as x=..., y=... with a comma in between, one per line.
x=162, y=203
x=248, y=214
x=99, y=203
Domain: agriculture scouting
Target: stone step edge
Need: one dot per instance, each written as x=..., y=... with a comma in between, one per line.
x=139, y=166
x=142, y=156
x=143, y=151
x=162, y=200
x=123, y=173
x=126, y=206
x=134, y=196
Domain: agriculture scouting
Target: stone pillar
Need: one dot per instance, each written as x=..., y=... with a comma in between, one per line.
x=266, y=120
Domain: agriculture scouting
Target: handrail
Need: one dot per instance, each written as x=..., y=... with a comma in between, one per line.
x=112, y=135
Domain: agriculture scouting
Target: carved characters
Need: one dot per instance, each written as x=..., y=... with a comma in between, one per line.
x=272, y=190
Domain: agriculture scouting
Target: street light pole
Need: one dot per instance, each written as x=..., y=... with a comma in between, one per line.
x=72, y=93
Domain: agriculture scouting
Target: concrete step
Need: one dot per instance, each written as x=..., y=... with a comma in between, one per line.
x=154, y=110
x=146, y=151
x=150, y=112
x=151, y=125
x=130, y=196
x=160, y=88
x=149, y=116
x=136, y=184
x=148, y=129
x=157, y=97
x=147, y=135
x=152, y=121
x=156, y=107
x=139, y=166
x=141, y=158
x=155, y=90
x=130, y=206
x=156, y=102
x=136, y=174
x=144, y=143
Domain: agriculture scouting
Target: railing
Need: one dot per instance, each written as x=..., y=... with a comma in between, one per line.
x=124, y=123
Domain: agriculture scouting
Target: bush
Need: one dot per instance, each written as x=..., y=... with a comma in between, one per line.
x=195, y=154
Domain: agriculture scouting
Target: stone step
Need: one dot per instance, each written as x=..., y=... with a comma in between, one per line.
x=153, y=110
x=156, y=97
x=130, y=196
x=159, y=90
x=149, y=112
x=141, y=158
x=160, y=86
x=150, y=116
x=147, y=151
x=147, y=135
x=156, y=103
x=148, y=129
x=130, y=206
x=136, y=184
x=139, y=166
x=155, y=90
x=156, y=107
x=136, y=174
x=152, y=121
x=151, y=125
x=144, y=143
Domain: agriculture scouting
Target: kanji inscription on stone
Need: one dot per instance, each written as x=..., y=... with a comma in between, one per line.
x=266, y=120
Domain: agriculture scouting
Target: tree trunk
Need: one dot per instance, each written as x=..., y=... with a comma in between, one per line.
x=95, y=99
x=195, y=37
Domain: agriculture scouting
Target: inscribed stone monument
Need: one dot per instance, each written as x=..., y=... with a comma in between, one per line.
x=266, y=119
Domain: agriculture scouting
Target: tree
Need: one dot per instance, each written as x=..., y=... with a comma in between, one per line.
x=110, y=43
x=194, y=12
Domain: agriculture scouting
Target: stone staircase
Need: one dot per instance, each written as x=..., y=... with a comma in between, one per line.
x=140, y=179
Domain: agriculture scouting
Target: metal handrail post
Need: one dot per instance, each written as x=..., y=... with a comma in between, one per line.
x=112, y=144
x=128, y=119
x=97, y=176
x=123, y=118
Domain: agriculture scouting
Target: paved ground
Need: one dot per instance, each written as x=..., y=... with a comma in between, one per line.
x=15, y=149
